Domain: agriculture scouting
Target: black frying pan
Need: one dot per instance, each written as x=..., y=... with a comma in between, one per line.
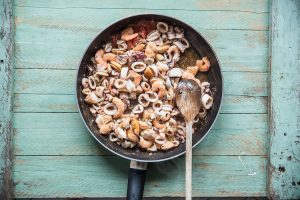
x=138, y=157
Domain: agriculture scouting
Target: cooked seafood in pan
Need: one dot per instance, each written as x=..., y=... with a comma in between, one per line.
x=130, y=87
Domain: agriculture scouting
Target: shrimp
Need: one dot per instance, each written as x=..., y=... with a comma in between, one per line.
x=99, y=58
x=128, y=34
x=120, y=107
x=203, y=65
x=109, y=57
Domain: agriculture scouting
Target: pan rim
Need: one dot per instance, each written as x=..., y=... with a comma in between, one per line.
x=128, y=157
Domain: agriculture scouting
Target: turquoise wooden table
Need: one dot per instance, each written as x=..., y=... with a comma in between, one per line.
x=253, y=149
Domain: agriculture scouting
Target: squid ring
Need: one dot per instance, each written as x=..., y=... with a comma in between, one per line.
x=85, y=82
x=110, y=109
x=92, y=82
x=202, y=113
x=120, y=83
x=121, y=44
x=152, y=96
x=157, y=105
x=113, y=137
x=162, y=27
x=138, y=66
x=207, y=101
x=196, y=120
x=143, y=100
x=185, y=42
x=145, y=86
x=138, y=109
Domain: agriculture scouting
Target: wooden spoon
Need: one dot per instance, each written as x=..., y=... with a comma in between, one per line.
x=188, y=94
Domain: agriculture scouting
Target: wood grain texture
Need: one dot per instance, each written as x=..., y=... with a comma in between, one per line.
x=63, y=82
x=73, y=120
x=284, y=176
x=55, y=156
x=42, y=45
x=106, y=176
x=6, y=73
x=65, y=134
x=255, y=6
x=67, y=103
x=92, y=19
x=45, y=48
x=78, y=141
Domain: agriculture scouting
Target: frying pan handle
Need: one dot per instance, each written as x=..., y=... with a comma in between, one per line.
x=136, y=180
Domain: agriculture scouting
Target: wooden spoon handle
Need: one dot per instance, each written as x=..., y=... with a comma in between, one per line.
x=188, y=161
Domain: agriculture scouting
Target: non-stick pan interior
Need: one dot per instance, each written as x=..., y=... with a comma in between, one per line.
x=214, y=77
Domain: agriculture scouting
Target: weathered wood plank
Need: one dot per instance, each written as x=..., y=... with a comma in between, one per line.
x=67, y=103
x=73, y=120
x=237, y=5
x=6, y=73
x=46, y=48
x=106, y=176
x=78, y=141
x=88, y=20
x=63, y=82
x=284, y=176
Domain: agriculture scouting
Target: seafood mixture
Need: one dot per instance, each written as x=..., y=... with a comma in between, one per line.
x=131, y=82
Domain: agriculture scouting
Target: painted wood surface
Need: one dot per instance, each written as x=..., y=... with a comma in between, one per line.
x=77, y=141
x=284, y=169
x=35, y=38
x=83, y=176
x=255, y=6
x=30, y=103
x=54, y=154
x=6, y=74
x=37, y=81
x=34, y=48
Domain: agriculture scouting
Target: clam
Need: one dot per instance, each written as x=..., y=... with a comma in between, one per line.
x=121, y=59
x=121, y=133
x=108, y=47
x=92, y=98
x=121, y=44
x=153, y=35
x=159, y=57
x=148, y=73
x=154, y=69
x=180, y=46
x=116, y=66
x=123, y=73
x=175, y=72
x=130, y=85
x=162, y=66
